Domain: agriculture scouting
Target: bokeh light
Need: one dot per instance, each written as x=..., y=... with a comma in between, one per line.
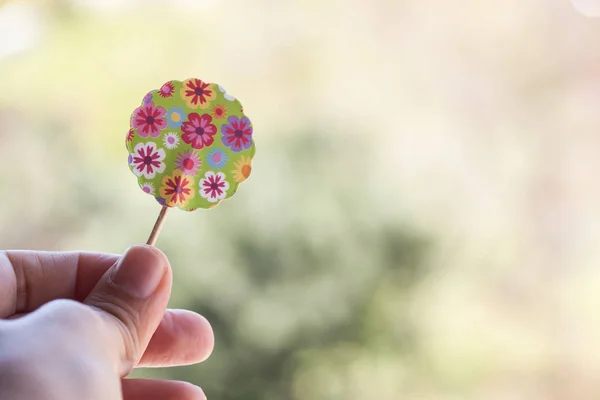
x=590, y=8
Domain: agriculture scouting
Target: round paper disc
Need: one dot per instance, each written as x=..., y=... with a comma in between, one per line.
x=190, y=144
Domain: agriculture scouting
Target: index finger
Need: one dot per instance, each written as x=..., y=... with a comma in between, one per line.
x=29, y=279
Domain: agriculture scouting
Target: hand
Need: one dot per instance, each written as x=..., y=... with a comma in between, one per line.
x=75, y=324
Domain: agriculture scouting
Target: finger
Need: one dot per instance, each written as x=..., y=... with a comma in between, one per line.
x=182, y=338
x=29, y=279
x=148, y=389
x=132, y=297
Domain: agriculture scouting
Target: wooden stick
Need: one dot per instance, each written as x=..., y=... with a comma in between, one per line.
x=157, y=226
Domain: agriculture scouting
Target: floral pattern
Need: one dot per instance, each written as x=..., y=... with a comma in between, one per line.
x=175, y=117
x=167, y=90
x=147, y=97
x=214, y=186
x=237, y=134
x=219, y=111
x=148, y=160
x=217, y=158
x=198, y=130
x=242, y=169
x=188, y=162
x=226, y=95
x=171, y=140
x=190, y=144
x=177, y=189
x=148, y=187
x=149, y=120
x=197, y=94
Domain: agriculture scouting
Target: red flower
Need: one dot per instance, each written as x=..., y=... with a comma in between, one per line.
x=198, y=131
x=149, y=119
x=219, y=111
x=197, y=94
x=166, y=90
x=129, y=137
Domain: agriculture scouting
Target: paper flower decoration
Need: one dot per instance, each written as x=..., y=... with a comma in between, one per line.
x=190, y=145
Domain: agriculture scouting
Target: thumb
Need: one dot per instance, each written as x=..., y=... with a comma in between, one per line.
x=132, y=298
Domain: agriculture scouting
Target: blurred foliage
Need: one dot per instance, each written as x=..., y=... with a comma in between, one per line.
x=310, y=303
x=299, y=301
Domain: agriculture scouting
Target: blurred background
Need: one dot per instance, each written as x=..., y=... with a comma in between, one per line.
x=422, y=218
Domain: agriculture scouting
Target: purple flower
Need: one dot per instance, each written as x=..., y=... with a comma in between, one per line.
x=148, y=97
x=161, y=201
x=237, y=134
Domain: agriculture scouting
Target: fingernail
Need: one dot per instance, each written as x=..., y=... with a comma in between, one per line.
x=140, y=271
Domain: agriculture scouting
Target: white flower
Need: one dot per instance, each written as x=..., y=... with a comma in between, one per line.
x=214, y=186
x=148, y=187
x=171, y=140
x=148, y=160
x=225, y=94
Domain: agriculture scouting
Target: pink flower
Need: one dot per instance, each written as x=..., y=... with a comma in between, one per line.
x=149, y=119
x=167, y=90
x=214, y=186
x=148, y=160
x=188, y=162
x=198, y=131
x=130, y=135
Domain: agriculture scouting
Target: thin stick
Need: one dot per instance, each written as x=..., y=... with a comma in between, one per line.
x=157, y=226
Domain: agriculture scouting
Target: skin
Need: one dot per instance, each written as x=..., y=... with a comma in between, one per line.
x=73, y=325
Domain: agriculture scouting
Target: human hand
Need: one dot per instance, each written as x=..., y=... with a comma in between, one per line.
x=75, y=324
